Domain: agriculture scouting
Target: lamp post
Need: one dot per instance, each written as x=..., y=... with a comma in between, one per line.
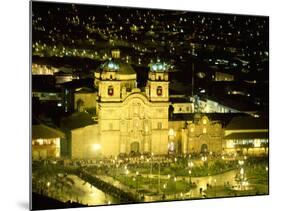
x=215, y=187
x=205, y=159
x=158, y=177
x=126, y=172
x=164, y=188
x=189, y=172
x=137, y=181
x=151, y=159
x=241, y=173
x=190, y=165
x=175, y=180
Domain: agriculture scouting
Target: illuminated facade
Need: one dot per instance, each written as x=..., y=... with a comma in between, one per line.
x=247, y=135
x=45, y=142
x=132, y=121
x=202, y=136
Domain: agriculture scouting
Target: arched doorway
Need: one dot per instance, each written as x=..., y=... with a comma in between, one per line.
x=135, y=148
x=204, y=148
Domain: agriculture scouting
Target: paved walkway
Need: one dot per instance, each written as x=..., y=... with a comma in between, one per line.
x=201, y=182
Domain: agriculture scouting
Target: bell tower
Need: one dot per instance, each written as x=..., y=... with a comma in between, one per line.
x=109, y=85
x=157, y=88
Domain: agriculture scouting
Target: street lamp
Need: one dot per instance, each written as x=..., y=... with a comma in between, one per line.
x=151, y=159
x=204, y=159
x=189, y=172
x=158, y=177
x=215, y=187
x=164, y=187
x=175, y=180
x=137, y=185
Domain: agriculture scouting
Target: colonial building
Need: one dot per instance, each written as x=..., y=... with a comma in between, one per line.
x=45, y=142
x=247, y=135
x=202, y=136
x=130, y=120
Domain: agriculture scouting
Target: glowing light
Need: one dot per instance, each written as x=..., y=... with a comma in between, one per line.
x=204, y=130
x=96, y=147
x=110, y=65
x=242, y=171
x=241, y=162
x=172, y=132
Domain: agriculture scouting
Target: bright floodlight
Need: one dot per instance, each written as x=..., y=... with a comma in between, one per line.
x=110, y=65
x=96, y=147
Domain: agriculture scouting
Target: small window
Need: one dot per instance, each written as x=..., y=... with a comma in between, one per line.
x=110, y=91
x=159, y=125
x=159, y=90
x=110, y=126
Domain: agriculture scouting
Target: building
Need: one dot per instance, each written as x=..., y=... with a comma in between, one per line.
x=129, y=120
x=247, y=135
x=41, y=69
x=202, y=136
x=132, y=121
x=221, y=76
x=85, y=99
x=82, y=133
x=45, y=142
x=181, y=104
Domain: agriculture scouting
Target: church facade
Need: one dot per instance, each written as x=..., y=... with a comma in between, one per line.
x=131, y=120
x=134, y=121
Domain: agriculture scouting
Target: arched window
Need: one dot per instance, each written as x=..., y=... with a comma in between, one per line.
x=110, y=91
x=159, y=90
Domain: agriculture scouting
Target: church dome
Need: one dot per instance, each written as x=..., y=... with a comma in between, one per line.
x=115, y=69
x=116, y=65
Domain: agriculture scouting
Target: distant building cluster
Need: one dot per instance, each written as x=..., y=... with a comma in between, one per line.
x=115, y=81
x=117, y=118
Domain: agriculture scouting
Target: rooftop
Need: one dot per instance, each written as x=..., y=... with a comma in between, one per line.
x=260, y=135
x=77, y=120
x=45, y=132
x=247, y=123
x=116, y=65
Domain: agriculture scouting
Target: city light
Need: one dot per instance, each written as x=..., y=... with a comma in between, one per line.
x=96, y=147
